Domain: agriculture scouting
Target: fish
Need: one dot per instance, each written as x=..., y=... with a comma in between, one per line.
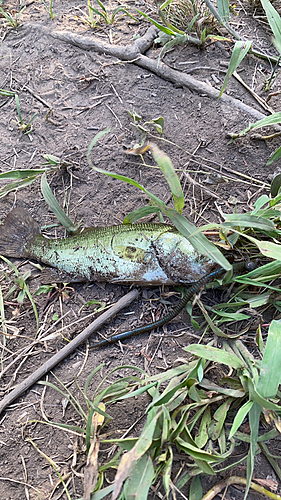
x=145, y=254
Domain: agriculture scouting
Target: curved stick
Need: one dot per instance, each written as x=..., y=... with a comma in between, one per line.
x=134, y=53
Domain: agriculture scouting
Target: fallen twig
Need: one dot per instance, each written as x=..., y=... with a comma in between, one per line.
x=68, y=349
x=134, y=53
x=261, y=101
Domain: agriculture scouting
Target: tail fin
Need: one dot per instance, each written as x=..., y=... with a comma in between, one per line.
x=18, y=229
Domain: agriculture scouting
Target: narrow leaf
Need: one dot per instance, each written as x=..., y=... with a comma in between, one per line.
x=140, y=213
x=54, y=205
x=261, y=201
x=101, y=5
x=223, y=8
x=202, y=438
x=257, y=398
x=264, y=122
x=21, y=174
x=139, y=449
x=239, y=52
x=196, y=490
x=219, y=418
x=214, y=354
x=254, y=421
x=137, y=486
x=174, y=32
x=195, y=452
x=167, y=471
x=275, y=184
x=239, y=417
x=276, y=155
x=267, y=248
x=248, y=220
x=99, y=495
x=270, y=376
x=18, y=107
x=273, y=19
x=170, y=175
x=16, y=185
x=94, y=141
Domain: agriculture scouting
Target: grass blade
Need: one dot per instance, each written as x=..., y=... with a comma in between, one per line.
x=94, y=141
x=170, y=175
x=239, y=52
x=216, y=355
x=248, y=220
x=167, y=471
x=140, y=213
x=16, y=185
x=267, y=248
x=254, y=421
x=223, y=8
x=275, y=185
x=99, y=495
x=21, y=174
x=274, y=21
x=276, y=155
x=196, y=490
x=26, y=289
x=137, y=486
x=18, y=108
x=269, y=378
x=264, y=122
x=101, y=5
x=166, y=30
x=239, y=417
x=55, y=206
x=139, y=449
x=196, y=453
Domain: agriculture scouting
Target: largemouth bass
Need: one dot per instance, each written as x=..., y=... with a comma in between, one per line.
x=145, y=254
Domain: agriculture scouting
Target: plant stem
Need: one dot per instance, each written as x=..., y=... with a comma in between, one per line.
x=238, y=480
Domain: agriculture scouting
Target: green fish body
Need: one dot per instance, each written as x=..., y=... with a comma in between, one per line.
x=145, y=254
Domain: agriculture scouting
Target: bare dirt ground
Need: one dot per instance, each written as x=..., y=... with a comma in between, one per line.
x=76, y=93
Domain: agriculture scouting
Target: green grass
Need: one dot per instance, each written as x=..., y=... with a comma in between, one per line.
x=20, y=289
x=49, y=9
x=188, y=414
x=26, y=128
x=104, y=14
x=10, y=20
